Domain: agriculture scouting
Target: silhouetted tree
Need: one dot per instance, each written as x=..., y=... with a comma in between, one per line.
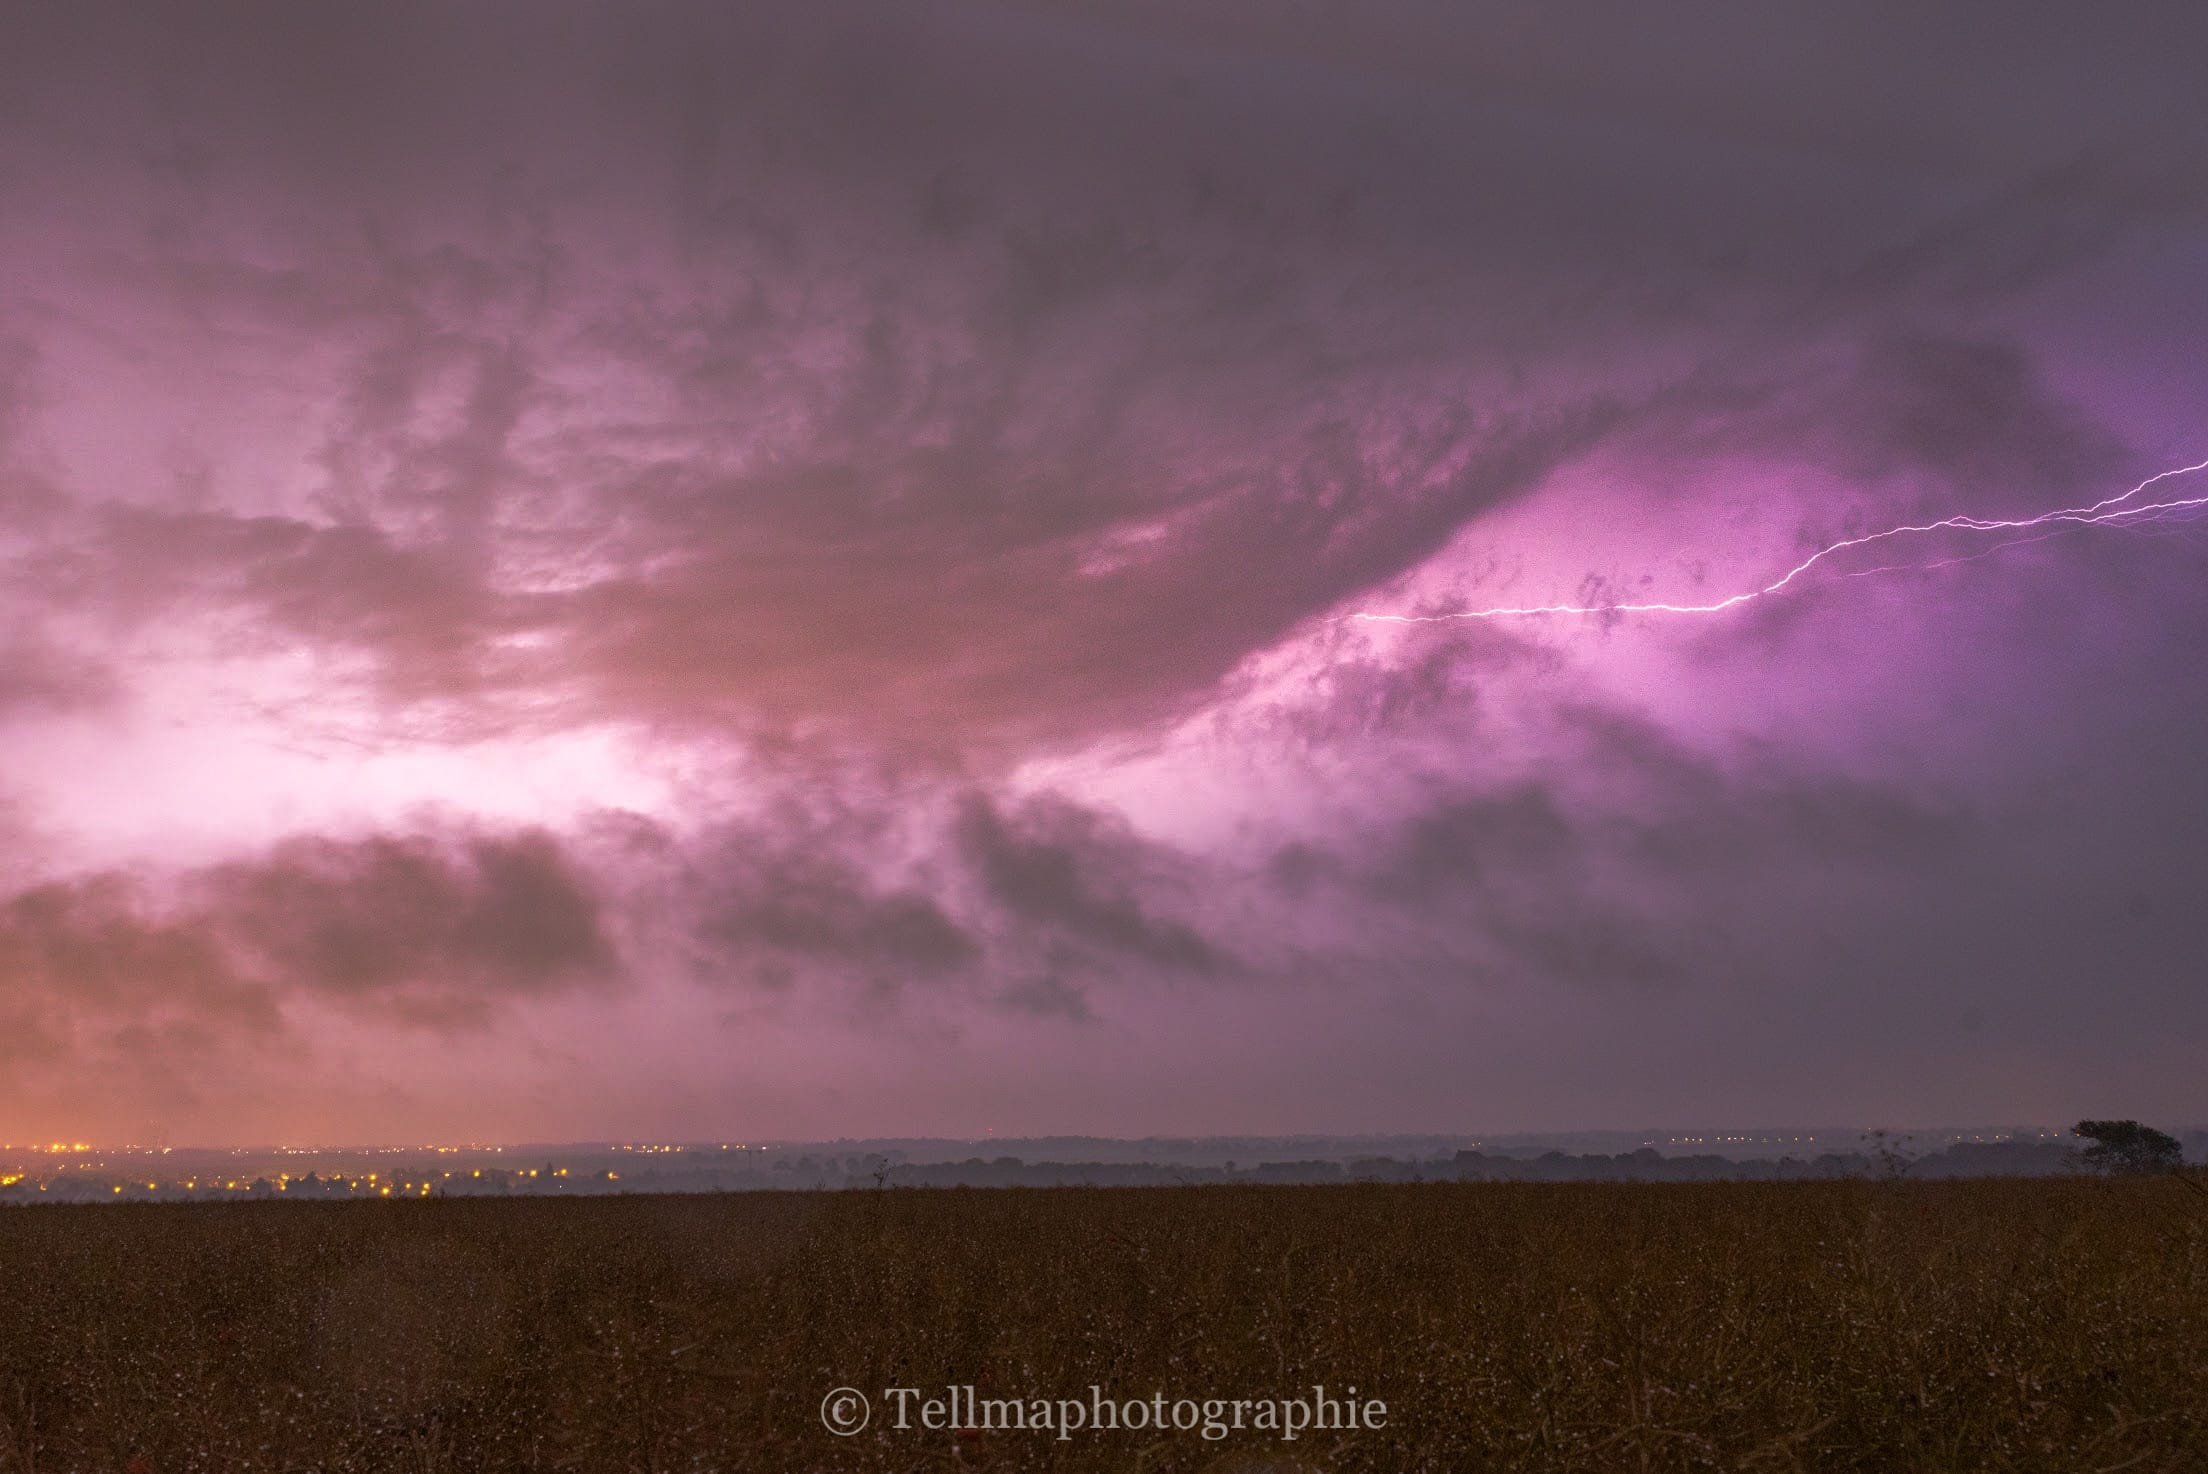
x=1894, y=1154
x=2127, y=1146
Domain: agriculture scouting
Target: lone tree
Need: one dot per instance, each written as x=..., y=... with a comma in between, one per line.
x=2127, y=1146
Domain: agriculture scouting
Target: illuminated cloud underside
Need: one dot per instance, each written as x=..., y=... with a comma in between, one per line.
x=573, y=572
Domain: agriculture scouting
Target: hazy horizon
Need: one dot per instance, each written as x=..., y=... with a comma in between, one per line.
x=1689, y=1136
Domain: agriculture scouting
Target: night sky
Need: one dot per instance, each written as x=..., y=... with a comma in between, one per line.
x=789, y=570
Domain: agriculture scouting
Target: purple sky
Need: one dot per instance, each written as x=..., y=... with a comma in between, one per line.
x=779, y=570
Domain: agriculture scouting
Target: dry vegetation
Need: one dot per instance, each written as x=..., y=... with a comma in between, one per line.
x=2048, y=1325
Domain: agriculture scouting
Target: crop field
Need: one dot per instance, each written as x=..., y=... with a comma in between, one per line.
x=2055, y=1324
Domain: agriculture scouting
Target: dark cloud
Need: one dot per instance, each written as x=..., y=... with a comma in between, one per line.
x=1047, y=997
x=1978, y=415
x=82, y=960
x=2054, y=217
x=952, y=891
x=1622, y=858
x=1687, y=807
x=440, y=929
x=1071, y=871
x=1462, y=841
x=770, y=908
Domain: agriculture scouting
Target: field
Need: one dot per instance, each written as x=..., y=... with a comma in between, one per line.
x=2054, y=1325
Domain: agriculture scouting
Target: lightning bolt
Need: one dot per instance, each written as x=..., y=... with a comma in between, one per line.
x=2122, y=509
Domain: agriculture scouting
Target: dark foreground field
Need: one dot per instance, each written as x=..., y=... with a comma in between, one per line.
x=2053, y=1324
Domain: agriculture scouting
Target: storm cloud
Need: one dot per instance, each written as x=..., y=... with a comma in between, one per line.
x=686, y=561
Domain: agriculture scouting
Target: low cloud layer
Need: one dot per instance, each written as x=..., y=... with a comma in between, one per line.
x=436, y=929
